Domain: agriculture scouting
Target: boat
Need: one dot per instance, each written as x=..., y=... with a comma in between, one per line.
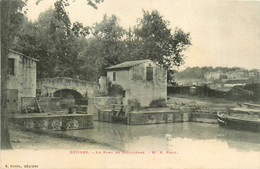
x=240, y=119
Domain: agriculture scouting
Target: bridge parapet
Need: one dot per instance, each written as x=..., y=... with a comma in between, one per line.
x=48, y=86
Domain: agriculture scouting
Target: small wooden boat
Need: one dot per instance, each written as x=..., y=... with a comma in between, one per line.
x=241, y=119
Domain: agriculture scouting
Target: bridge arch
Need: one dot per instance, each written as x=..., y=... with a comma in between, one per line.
x=68, y=93
x=49, y=87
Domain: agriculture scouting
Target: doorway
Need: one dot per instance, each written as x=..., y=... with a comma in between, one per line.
x=12, y=100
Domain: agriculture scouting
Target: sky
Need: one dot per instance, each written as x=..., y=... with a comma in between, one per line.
x=223, y=33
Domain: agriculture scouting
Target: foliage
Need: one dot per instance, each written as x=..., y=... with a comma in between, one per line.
x=106, y=48
x=157, y=41
x=11, y=20
x=48, y=41
x=150, y=39
x=154, y=35
x=92, y=63
x=61, y=14
x=170, y=76
x=54, y=40
x=11, y=16
x=158, y=103
x=110, y=34
x=115, y=90
x=194, y=73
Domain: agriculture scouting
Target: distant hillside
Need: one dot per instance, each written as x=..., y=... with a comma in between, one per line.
x=198, y=72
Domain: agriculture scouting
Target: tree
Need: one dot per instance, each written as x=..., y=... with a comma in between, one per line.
x=150, y=39
x=48, y=40
x=93, y=63
x=158, y=43
x=61, y=14
x=155, y=37
x=11, y=14
x=133, y=45
x=11, y=17
x=111, y=34
x=106, y=48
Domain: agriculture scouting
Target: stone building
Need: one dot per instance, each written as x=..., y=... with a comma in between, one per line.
x=21, y=80
x=238, y=74
x=254, y=75
x=143, y=81
x=213, y=76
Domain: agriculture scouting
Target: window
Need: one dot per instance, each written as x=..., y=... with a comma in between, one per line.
x=149, y=73
x=114, y=76
x=10, y=66
x=123, y=93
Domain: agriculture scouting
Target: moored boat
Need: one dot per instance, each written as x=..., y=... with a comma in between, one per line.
x=241, y=119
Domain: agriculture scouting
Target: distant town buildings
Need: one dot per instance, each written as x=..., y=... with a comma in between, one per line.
x=232, y=78
x=224, y=80
x=214, y=76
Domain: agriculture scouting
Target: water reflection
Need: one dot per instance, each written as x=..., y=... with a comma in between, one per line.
x=170, y=137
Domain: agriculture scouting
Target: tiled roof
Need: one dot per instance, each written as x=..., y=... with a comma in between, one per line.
x=127, y=64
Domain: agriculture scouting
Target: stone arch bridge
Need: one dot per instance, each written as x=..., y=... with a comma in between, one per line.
x=55, y=87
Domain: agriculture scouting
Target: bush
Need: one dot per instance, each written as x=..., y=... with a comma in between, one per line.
x=115, y=90
x=158, y=103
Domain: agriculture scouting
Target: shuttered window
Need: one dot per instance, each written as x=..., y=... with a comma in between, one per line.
x=149, y=73
x=10, y=66
x=114, y=76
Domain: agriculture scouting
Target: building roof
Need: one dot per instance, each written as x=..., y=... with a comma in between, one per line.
x=18, y=53
x=129, y=64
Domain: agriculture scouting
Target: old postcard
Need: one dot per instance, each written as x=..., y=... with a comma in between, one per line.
x=130, y=84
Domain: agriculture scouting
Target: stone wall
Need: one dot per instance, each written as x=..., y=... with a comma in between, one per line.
x=103, y=90
x=55, y=122
x=24, y=78
x=28, y=101
x=53, y=104
x=48, y=104
x=136, y=85
x=96, y=104
x=159, y=116
x=171, y=116
x=48, y=86
x=105, y=116
x=147, y=91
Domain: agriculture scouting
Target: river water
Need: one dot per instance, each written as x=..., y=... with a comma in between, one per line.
x=171, y=136
x=176, y=144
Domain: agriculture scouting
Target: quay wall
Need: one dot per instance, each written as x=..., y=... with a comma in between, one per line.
x=169, y=117
x=55, y=122
x=143, y=117
x=96, y=104
x=156, y=117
